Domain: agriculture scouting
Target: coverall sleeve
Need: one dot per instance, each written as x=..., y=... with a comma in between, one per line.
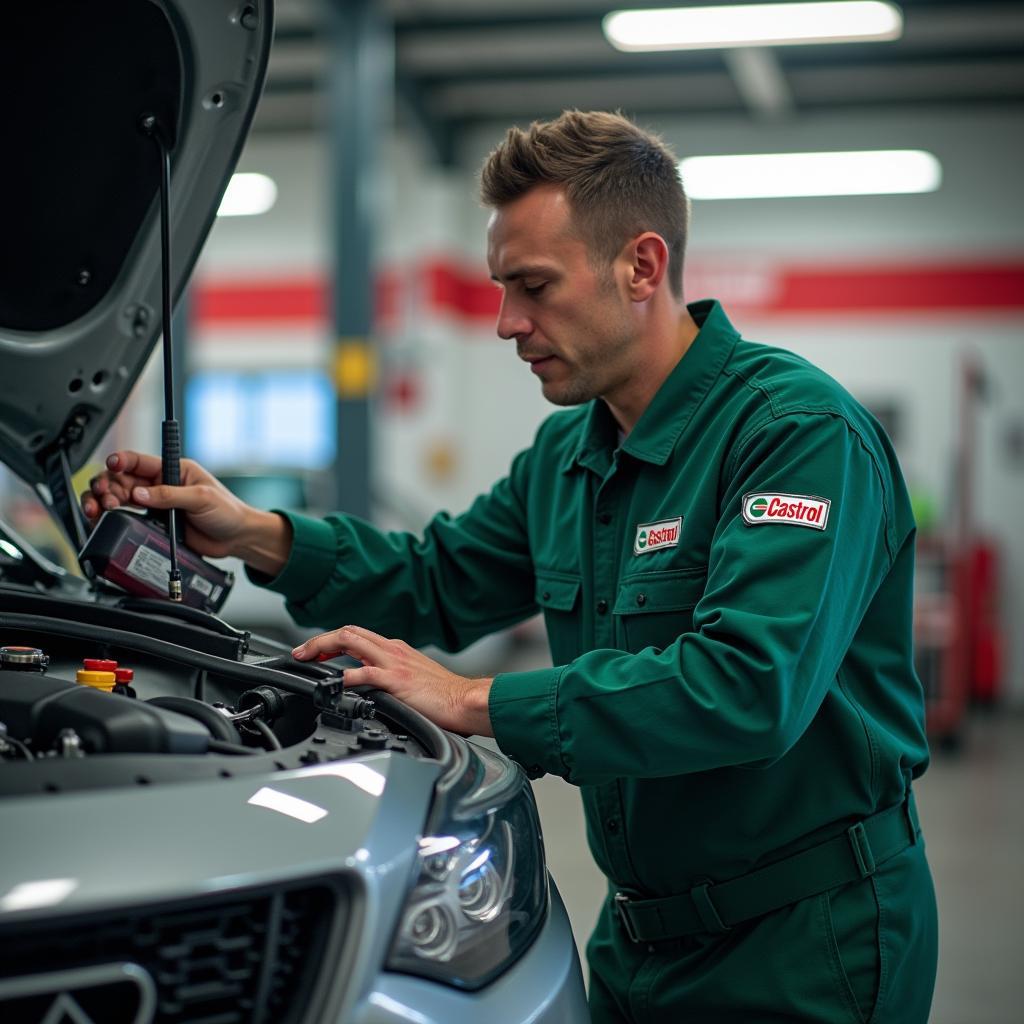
x=466, y=576
x=780, y=607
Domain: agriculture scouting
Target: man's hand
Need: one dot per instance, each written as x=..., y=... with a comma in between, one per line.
x=449, y=700
x=216, y=522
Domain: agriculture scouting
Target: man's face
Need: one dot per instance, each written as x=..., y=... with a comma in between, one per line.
x=568, y=318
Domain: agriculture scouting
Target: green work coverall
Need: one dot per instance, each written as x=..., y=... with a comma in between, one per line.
x=727, y=594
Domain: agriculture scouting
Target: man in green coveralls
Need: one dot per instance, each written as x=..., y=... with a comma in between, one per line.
x=721, y=543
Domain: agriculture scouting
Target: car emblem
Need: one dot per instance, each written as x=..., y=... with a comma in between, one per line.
x=65, y=1008
x=121, y=993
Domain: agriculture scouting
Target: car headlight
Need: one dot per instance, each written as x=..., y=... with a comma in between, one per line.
x=481, y=889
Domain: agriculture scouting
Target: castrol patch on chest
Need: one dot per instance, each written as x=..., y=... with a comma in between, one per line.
x=787, y=509
x=655, y=536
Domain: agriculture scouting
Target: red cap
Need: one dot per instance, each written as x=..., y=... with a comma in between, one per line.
x=124, y=675
x=99, y=665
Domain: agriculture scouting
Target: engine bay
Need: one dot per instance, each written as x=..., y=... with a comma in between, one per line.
x=118, y=691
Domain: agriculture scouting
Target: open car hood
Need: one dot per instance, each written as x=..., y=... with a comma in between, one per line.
x=80, y=273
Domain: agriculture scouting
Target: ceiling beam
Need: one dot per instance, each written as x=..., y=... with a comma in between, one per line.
x=514, y=97
x=760, y=81
x=933, y=80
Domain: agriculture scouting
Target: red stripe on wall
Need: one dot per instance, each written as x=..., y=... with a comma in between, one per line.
x=462, y=290
x=261, y=301
x=901, y=288
x=446, y=288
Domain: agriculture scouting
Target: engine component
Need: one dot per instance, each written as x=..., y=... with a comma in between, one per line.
x=98, y=680
x=123, y=682
x=213, y=722
x=10, y=746
x=264, y=702
x=39, y=708
x=69, y=744
x=373, y=739
x=23, y=659
x=340, y=708
x=99, y=665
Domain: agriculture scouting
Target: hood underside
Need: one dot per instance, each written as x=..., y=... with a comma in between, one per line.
x=79, y=196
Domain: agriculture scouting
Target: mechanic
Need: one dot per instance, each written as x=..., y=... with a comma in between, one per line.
x=722, y=545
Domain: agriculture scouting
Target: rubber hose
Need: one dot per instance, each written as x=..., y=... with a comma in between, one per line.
x=219, y=727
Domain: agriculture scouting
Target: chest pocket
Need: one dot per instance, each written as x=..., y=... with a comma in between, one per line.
x=558, y=595
x=653, y=608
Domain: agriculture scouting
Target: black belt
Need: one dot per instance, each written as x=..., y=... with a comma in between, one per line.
x=710, y=907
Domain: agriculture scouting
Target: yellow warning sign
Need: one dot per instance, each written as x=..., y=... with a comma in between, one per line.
x=355, y=368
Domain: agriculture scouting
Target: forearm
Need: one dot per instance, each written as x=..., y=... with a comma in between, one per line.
x=475, y=710
x=436, y=590
x=265, y=542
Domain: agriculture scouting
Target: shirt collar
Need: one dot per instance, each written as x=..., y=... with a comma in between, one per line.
x=655, y=435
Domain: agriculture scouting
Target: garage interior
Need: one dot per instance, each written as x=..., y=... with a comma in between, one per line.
x=336, y=345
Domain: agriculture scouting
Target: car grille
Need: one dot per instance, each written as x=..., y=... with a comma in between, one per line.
x=253, y=958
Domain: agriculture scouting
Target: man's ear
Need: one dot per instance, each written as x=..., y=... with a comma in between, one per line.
x=648, y=257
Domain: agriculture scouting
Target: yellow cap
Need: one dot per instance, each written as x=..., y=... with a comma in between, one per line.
x=97, y=680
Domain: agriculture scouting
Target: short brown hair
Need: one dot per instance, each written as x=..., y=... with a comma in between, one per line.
x=619, y=180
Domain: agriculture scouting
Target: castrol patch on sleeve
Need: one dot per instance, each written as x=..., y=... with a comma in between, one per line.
x=788, y=509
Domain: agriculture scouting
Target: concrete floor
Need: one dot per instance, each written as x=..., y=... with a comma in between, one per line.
x=972, y=811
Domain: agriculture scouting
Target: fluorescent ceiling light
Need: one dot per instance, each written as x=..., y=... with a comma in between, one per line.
x=776, y=175
x=248, y=195
x=701, y=28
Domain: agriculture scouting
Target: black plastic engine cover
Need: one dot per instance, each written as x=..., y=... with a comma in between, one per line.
x=35, y=708
x=22, y=697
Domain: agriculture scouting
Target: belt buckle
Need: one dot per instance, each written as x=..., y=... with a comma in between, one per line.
x=621, y=900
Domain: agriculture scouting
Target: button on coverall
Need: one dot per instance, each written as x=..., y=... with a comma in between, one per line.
x=727, y=597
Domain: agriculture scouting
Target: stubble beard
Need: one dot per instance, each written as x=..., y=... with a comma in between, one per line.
x=579, y=388
x=598, y=366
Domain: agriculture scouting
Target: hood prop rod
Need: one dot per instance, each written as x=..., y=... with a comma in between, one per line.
x=170, y=453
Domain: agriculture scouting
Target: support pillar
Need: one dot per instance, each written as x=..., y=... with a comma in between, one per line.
x=361, y=101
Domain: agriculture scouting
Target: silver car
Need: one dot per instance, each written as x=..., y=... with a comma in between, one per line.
x=194, y=827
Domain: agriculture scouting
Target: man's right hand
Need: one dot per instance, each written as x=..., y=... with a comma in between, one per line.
x=217, y=523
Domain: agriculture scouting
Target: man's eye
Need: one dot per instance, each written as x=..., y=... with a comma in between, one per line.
x=535, y=289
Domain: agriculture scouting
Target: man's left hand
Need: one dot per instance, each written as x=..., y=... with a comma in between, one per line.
x=449, y=700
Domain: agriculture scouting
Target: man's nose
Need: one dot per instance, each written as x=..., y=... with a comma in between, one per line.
x=511, y=322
